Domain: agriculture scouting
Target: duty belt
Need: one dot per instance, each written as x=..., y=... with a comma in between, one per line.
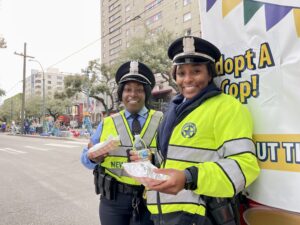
x=129, y=189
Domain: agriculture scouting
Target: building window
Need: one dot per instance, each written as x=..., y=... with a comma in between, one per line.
x=59, y=78
x=155, y=30
x=154, y=18
x=114, y=17
x=38, y=81
x=152, y=4
x=127, y=19
x=113, y=6
x=127, y=8
x=187, y=17
x=49, y=77
x=114, y=50
x=114, y=39
x=49, y=82
x=59, y=83
x=186, y=2
x=127, y=32
x=116, y=42
x=115, y=28
x=49, y=87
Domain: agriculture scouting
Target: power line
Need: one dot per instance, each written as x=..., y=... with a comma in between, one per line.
x=13, y=86
x=74, y=53
x=98, y=39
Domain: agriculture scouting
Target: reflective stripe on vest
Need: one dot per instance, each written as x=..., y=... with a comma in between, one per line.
x=188, y=201
x=197, y=155
x=233, y=171
x=147, y=136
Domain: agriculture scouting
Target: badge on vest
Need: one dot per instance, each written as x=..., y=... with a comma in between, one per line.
x=188, y=130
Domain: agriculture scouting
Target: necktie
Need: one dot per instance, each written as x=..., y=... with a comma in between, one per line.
x=136, y=126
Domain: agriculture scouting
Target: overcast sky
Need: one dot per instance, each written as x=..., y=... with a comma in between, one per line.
x=53, y=30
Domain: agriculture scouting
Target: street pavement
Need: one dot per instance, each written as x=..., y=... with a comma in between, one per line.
x=42, y=182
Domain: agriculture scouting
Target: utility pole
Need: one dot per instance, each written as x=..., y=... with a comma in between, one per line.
x=24, y=55
x=11, y=110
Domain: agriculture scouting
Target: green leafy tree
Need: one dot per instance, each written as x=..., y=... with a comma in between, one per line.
x=152, y=50
x=33, y=107
x=11, y=108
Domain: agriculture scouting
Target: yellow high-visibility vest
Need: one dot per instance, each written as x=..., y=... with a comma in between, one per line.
x=216, y=137
x=117, y=125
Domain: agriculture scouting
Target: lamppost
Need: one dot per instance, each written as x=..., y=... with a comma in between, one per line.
x=45, y=128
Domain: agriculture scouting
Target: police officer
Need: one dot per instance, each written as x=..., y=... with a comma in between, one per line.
x=121, y=199
x=205, y=140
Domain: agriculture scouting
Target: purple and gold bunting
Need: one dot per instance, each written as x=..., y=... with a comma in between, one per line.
x=297, y=20
x=209, y=4
x=228, y=5
x=274, y=14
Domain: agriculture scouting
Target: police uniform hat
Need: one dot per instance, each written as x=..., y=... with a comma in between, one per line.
x=189, y=50
x=135, y=71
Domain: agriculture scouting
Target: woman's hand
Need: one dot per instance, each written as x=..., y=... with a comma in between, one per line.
x=134, y=156
x=173, y=185
x=93, y=157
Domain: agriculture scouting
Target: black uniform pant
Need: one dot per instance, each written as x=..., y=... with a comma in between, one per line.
x=119, y=211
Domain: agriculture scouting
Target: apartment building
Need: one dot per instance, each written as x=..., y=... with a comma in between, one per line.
x=54, y=81
x=124, y=19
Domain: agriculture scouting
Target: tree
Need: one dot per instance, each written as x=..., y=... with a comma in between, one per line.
x=94, y=85
x=57, y=107
x=106, y=83
x=33, y=107
x=2, y=43
x=2, y=92
x=152, y=50
x=11, y=108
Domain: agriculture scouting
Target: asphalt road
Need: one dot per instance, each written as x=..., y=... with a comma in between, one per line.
x=42, y=182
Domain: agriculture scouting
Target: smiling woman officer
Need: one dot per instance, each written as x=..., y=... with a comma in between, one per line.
x=121, y=196
x=205, y=139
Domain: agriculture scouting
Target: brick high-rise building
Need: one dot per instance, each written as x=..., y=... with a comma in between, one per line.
x=124, y=19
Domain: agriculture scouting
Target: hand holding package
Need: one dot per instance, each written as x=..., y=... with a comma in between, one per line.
x=104, y=147
x=143, y=169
